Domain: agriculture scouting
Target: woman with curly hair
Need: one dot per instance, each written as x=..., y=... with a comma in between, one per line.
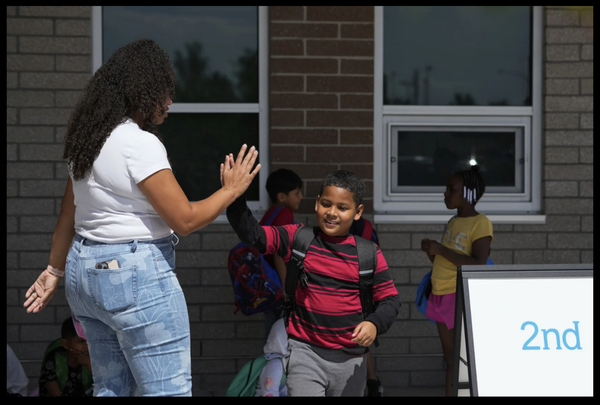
x=114, y=235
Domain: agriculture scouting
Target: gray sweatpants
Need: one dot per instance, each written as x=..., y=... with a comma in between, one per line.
x=309, y=374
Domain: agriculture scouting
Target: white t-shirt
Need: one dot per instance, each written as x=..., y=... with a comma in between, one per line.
x=110, y=207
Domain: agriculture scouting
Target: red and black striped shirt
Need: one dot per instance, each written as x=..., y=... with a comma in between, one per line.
x=328, y=309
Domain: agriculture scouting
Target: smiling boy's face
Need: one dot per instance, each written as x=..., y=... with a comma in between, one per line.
x=336, y=210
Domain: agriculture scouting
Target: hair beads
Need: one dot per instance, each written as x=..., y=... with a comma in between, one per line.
x=472, y=181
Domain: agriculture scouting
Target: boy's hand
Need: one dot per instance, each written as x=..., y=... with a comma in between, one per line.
x=365, y=333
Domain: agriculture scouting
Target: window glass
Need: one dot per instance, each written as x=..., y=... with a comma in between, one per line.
x=426, y=157
x=214, y=49
x=457, y=55
x=197, y=145
x=215, y=54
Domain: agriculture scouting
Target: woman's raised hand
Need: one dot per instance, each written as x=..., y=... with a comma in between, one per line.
x=237, y=175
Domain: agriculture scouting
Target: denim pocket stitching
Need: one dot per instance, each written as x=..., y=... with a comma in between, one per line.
x=97, y=291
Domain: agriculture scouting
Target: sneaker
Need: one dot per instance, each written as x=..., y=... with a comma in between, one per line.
x=374, y=388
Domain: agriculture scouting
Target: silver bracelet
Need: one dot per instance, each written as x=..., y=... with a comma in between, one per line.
x=55, y=272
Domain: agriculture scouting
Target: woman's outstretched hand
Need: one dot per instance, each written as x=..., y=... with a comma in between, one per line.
x=237, y=175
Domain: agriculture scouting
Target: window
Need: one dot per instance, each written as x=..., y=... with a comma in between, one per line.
x=455, y=86
x=219, y=54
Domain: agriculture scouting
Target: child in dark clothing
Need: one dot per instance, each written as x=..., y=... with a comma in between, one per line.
x=284, y=187
x=327, y=333
x=66, y=368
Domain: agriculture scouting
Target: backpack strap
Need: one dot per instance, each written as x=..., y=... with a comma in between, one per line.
x=62, y=368
x=52, y=346
x=244, y=383
x=272, y=216
x=367, y=264
x=303, y=238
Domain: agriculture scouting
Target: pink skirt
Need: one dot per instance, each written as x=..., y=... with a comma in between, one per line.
x=440, y=308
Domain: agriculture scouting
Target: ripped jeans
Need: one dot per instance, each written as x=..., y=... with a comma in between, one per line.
x=135, y=317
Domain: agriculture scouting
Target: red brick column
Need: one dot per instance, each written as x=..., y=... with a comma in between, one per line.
x=321, y=93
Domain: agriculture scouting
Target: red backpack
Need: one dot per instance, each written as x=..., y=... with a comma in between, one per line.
x=364, y=228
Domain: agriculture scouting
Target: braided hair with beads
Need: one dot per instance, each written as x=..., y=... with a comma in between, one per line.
x=473, y=184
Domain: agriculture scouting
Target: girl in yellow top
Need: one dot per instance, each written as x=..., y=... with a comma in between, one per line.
x=466, y=241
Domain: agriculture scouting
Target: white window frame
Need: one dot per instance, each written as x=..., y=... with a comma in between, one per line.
x=261, y=108
x=519, y=125
x=523, y=207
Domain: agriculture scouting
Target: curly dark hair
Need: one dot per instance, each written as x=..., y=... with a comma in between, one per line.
x=136, y=77
x=347, y=180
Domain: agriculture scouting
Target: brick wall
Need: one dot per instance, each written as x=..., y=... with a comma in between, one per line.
x=568, y=139
x=321, y=93
x=321, y=112
x=48, y=60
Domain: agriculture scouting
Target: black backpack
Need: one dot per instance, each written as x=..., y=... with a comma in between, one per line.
x=367, y=264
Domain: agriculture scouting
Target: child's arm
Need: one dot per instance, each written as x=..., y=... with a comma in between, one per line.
x=378, y=322
x=245, y=225
x=281, y=270
x=385, y=296
x=431, y=257
x=385, y=313
x=479, y=252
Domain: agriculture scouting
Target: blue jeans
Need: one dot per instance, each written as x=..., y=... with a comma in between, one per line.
x=135, y=317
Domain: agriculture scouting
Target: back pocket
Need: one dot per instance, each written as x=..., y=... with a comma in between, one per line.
x=113, y=289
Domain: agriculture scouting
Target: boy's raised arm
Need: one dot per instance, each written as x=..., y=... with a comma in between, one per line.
x=245, y=225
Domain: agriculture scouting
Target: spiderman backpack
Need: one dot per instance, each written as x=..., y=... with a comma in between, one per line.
x=256, y=284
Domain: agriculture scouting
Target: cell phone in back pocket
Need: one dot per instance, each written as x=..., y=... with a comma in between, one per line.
x=111, y=264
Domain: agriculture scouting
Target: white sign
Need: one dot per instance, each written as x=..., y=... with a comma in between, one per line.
x=531, y=336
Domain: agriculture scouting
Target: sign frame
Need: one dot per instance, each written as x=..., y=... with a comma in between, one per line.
x=464, y=376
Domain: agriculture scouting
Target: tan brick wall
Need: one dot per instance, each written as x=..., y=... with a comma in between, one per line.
x=568, y=139
x=321, y=93
x=48, y=62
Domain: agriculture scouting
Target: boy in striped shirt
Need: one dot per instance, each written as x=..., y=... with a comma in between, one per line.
x=328, y=336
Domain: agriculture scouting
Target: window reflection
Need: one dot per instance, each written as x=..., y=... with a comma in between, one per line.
x=428, y=158
x=457, y=55
x=214, y=49
x=197, y=145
